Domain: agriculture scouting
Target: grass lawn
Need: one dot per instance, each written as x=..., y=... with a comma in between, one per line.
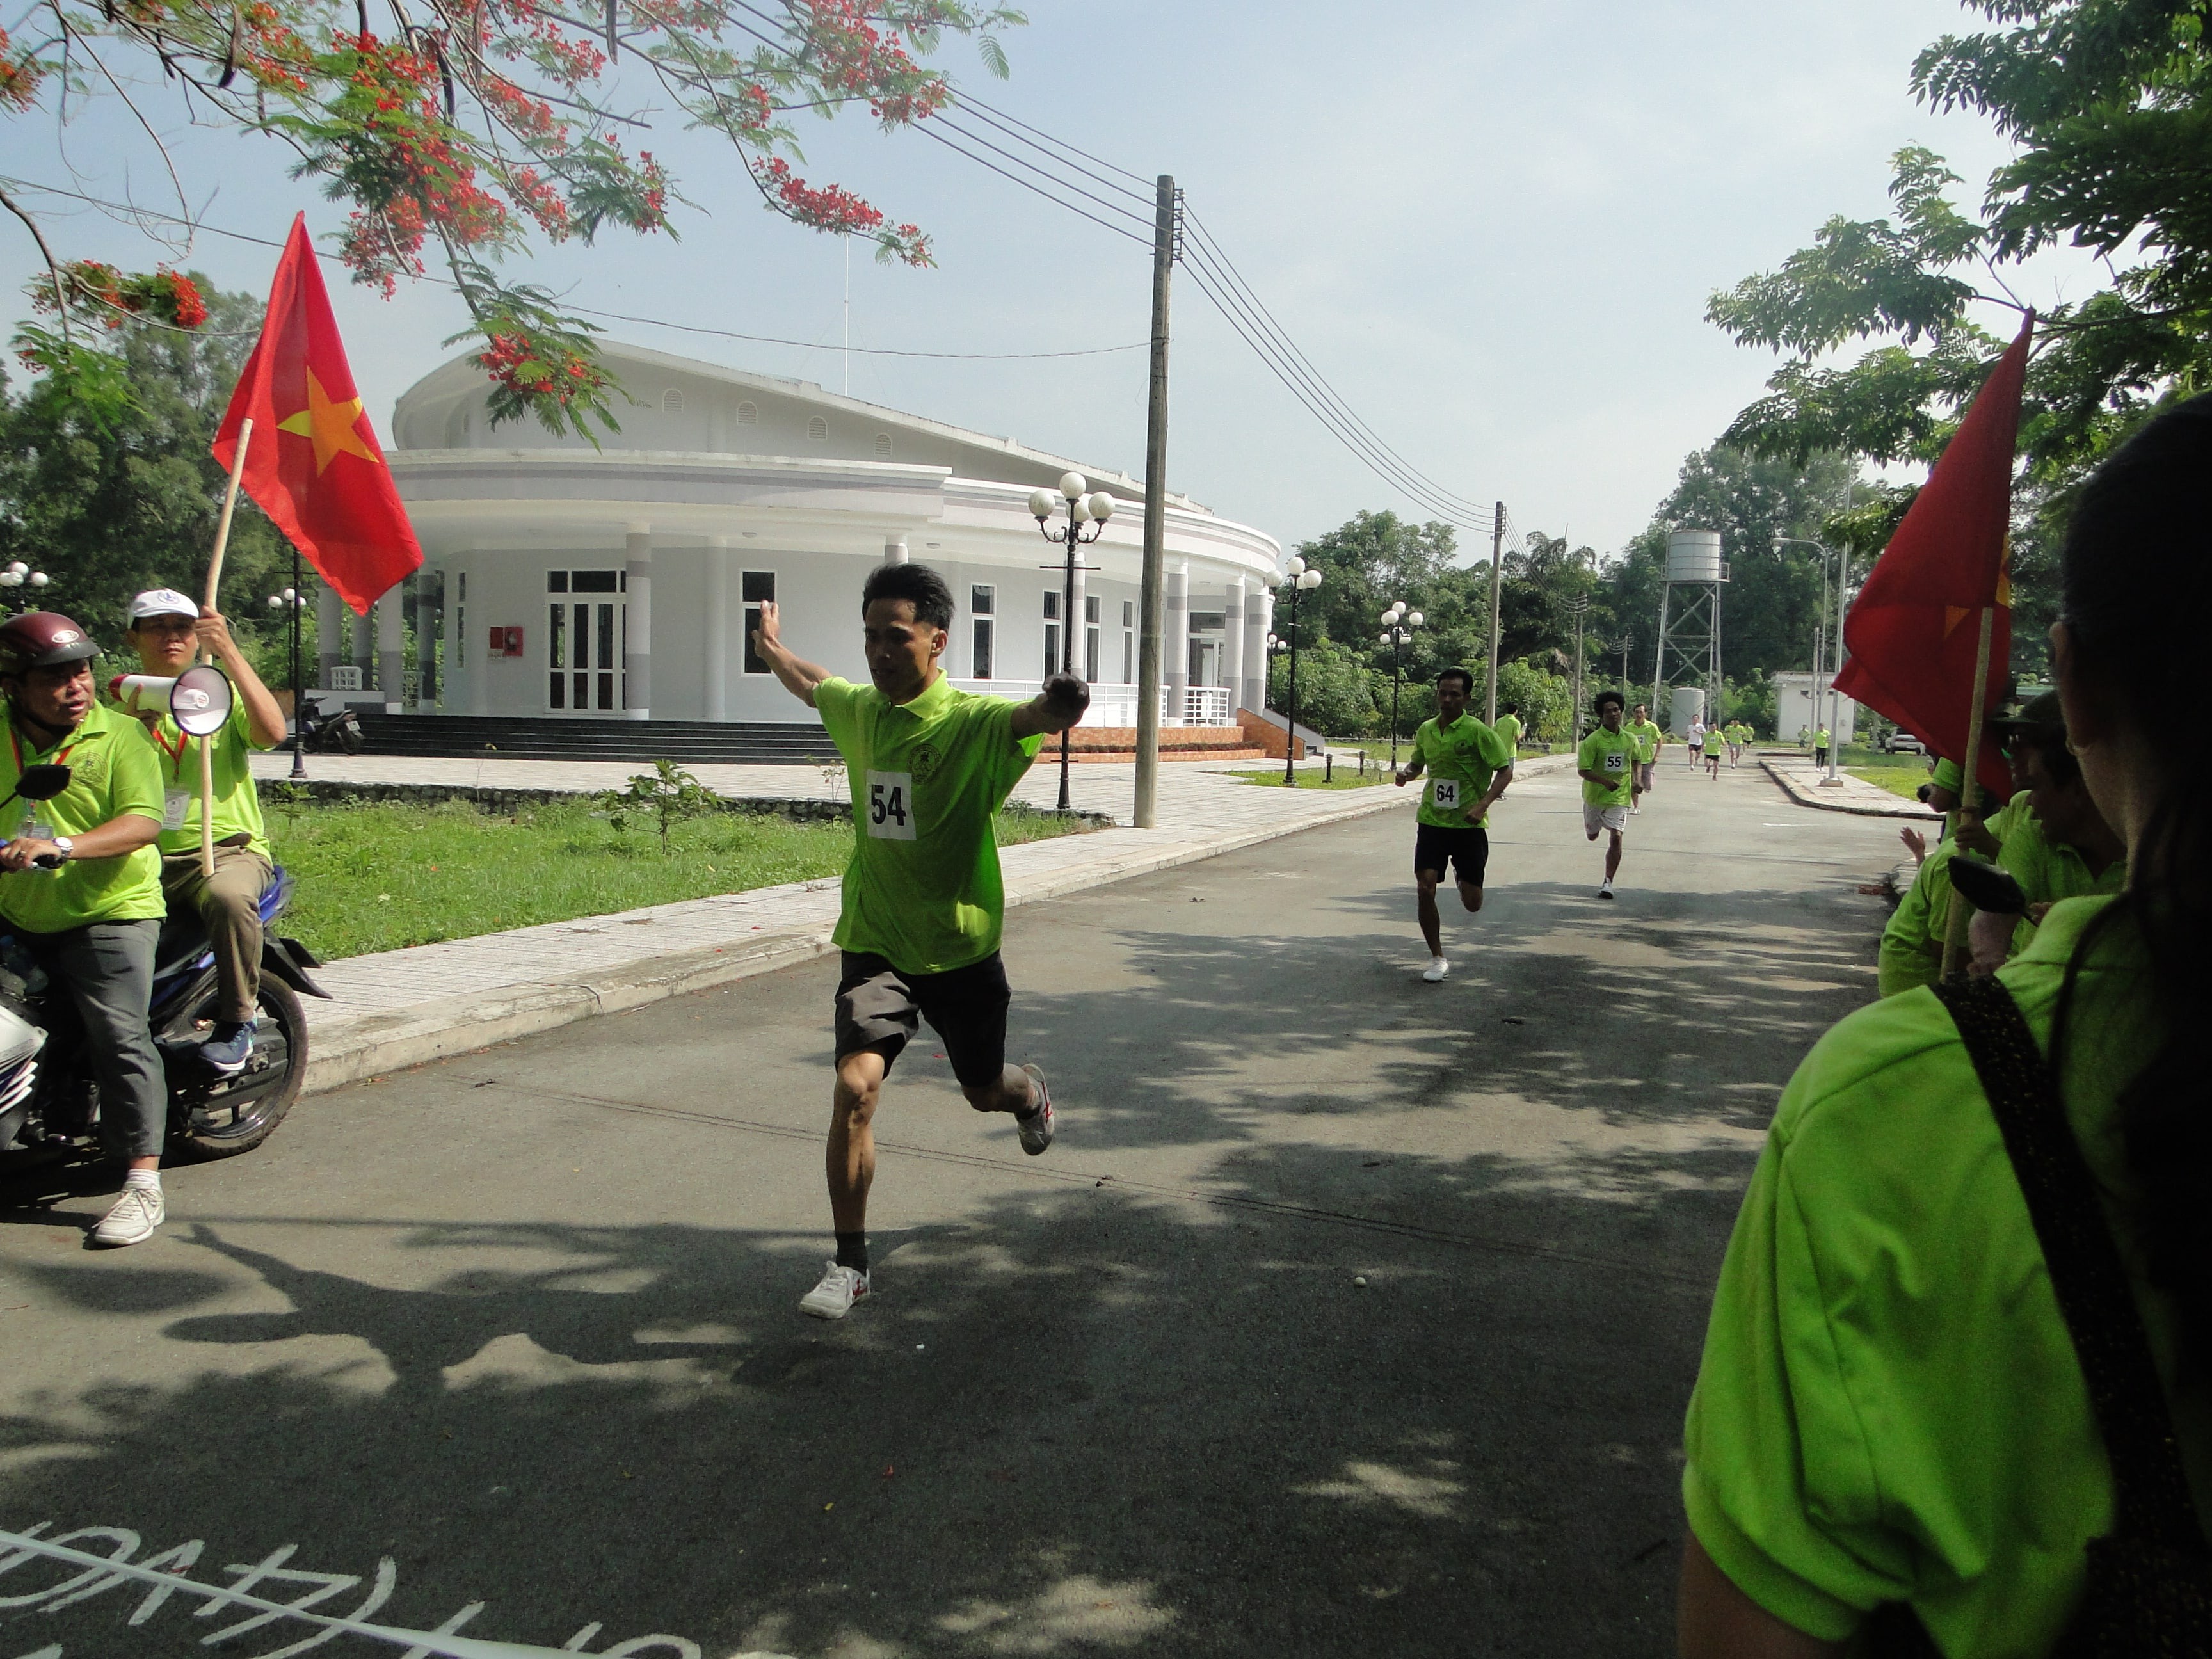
x=1347, y=777
x=381, y=876
x=1898, y=780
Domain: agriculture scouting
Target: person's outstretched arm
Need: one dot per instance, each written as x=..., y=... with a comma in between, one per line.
x=1054, y=709
x=798, y=676
x=1714, y=1620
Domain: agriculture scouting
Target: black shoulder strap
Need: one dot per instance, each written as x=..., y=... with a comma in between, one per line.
x=2086, y=1270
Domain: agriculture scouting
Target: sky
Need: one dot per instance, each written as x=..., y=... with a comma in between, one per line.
x=1493, y=227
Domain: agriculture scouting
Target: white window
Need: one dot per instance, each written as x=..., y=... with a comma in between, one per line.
x=817, y=430
x=748, y=414
x=982, y=604
x=672, y=402
x=1092, y=608
x=1051, y=632
x=1128, y=642
x=882, y=445
x=756, y=588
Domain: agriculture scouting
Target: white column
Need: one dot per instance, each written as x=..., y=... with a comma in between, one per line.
x=1259, y=621
x=364, y=644
x=390, y=646
x=1175, y=642
x=476, y=620
x=330, y=633
x=895, y=549
x=718, y=628
x=637, y=635
x=1232, y=644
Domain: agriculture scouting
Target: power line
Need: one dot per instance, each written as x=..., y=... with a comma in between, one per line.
x=973, y=102
x=943, y=122
x=928, y=130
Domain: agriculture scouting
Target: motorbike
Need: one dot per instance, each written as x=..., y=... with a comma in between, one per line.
x=327, y=733
x=49, y=1102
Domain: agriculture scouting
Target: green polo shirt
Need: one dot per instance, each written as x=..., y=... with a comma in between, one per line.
x=1912, y=951
x=237, y=803
x=1461, y=759
x=1890, y=1407
x=1508, y=727
x=1613, y=753
x=112, y=774
x=923, y=889
x=2048, y=871
x=1648, y=738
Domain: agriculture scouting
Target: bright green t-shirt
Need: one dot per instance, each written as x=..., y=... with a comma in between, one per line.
x=1912, y=944
x=1648, y=738
x=2049, y=871
x=237, y=803
x=923, y=889
x=1613, y=753
x=1461, y=759
x=1890, y=1407
x=1509, y=727
x=1819, y=740
x=112, y=774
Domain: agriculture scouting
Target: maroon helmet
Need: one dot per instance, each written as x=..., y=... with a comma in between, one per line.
x=42, y=639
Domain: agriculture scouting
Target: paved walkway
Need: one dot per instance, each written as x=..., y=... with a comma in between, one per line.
x=1808, y=786
x=399, y=1008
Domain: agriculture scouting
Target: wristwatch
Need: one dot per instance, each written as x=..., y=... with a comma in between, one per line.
x=67, y=847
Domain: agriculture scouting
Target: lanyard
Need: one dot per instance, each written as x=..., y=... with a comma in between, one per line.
x=177, y=755
x=15, y=745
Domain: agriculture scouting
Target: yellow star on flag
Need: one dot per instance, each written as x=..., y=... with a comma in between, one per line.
x=328, y=426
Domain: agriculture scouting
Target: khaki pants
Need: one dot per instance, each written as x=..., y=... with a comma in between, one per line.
x=229, y=904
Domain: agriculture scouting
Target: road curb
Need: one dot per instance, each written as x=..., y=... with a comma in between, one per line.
x=1805, y=797
x=391, y=1042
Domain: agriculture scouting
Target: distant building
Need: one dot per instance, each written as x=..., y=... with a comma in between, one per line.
x=1796, y=697
x=563, y=579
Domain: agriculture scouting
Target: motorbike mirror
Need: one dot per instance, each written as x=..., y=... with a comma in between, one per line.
x=40, y=783
x=200, y=701
x=1987, y=887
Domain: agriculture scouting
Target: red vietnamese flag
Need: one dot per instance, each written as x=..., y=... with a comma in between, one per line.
x=313, y=462
x=1912, y=630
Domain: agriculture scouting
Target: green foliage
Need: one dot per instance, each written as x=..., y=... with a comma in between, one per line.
x=1544, y=698
x=667, y=796
x=1334, y=694
x=114, y=493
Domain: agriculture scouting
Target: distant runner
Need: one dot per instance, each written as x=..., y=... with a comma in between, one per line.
x=1508, y=721
x=1469, y=765
x=1820, y=747
x=1697, y=735
x=1606, y=763
x=1649, y=740
x=923, y=903
x=1716, y=745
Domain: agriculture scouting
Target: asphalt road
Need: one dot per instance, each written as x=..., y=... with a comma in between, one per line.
x=521, y=1324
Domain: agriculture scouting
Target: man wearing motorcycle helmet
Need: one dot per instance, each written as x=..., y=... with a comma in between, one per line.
x=169, y=632
x=94, y=919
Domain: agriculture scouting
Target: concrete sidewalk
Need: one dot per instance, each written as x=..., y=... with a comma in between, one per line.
x=399, y=1008
x=1808, y=786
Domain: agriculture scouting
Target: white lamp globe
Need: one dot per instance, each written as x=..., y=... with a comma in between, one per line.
x=1271, y=639
x=1078, y=508
x=289, y=596
x=18, y=569
x=38, y=578
x=1388, y=638
x=1297, y=566
x=8, y=578
x=1309, y=579
x=1412, y=619
x=1042, y=503
x=1073, y=484
x=275, y=601
x=1102, y=506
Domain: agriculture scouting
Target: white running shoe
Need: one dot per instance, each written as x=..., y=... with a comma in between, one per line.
x=132, y=1221
x=1605, y=889
x=833, y=1298
x=1436, y=971
x=1036, y=1128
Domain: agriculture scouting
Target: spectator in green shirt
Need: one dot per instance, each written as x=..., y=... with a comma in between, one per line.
x=1892, y=1417
x=1509, y=724
x=92, y=922
x=923, y=905
x=169, y=631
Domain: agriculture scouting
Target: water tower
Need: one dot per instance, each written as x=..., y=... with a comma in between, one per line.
x=1689, y=626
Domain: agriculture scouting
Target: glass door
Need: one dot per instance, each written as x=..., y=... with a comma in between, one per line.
x=586, y=617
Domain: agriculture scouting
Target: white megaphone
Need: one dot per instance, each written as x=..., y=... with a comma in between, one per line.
x=199, y=700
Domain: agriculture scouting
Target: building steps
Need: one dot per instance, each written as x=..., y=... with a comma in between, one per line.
x=687, y=743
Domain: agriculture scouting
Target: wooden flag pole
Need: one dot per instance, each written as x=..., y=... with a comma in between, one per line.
x=1955, y=930
x=214, y=582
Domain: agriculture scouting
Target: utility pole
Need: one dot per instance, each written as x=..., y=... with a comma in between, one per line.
x=1578, y=606
x=1497, y=549
x=1156, y=515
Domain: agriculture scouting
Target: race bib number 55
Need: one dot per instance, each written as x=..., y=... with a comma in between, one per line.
x=1615, y=761
x=890, y=806
x=1447, y=793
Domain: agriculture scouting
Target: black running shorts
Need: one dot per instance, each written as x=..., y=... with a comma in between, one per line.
x=880, y=1010
x=1467, y=846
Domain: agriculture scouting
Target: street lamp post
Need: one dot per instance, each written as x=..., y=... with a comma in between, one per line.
x=1299, y=580
x=1083, y=508
x=1827, y=641
x=1398, y=626
x=18, y=574
x=291, y=599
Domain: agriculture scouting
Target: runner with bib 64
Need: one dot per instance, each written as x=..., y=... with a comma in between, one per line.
x=923, y=902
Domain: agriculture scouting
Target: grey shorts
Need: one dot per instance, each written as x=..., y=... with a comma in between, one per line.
x=880, y=1011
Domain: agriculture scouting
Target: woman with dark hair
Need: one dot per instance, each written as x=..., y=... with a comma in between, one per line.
x=1964, y=1332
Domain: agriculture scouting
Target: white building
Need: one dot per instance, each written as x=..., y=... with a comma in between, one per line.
x=1804, y=699
x=568, y=580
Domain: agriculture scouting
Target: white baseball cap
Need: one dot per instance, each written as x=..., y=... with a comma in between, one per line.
x=161, y=601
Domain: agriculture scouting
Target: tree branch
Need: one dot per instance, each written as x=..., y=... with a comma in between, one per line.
x=53, y=267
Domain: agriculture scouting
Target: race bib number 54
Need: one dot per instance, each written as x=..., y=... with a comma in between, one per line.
x=890, y=806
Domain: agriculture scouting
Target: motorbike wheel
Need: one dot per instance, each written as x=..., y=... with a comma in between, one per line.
x=238, y=1114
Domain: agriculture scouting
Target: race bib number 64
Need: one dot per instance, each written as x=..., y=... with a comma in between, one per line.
x=890, y=806
x=1447, y=793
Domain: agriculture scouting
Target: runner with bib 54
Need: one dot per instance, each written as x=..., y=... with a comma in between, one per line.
x=923, y=901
